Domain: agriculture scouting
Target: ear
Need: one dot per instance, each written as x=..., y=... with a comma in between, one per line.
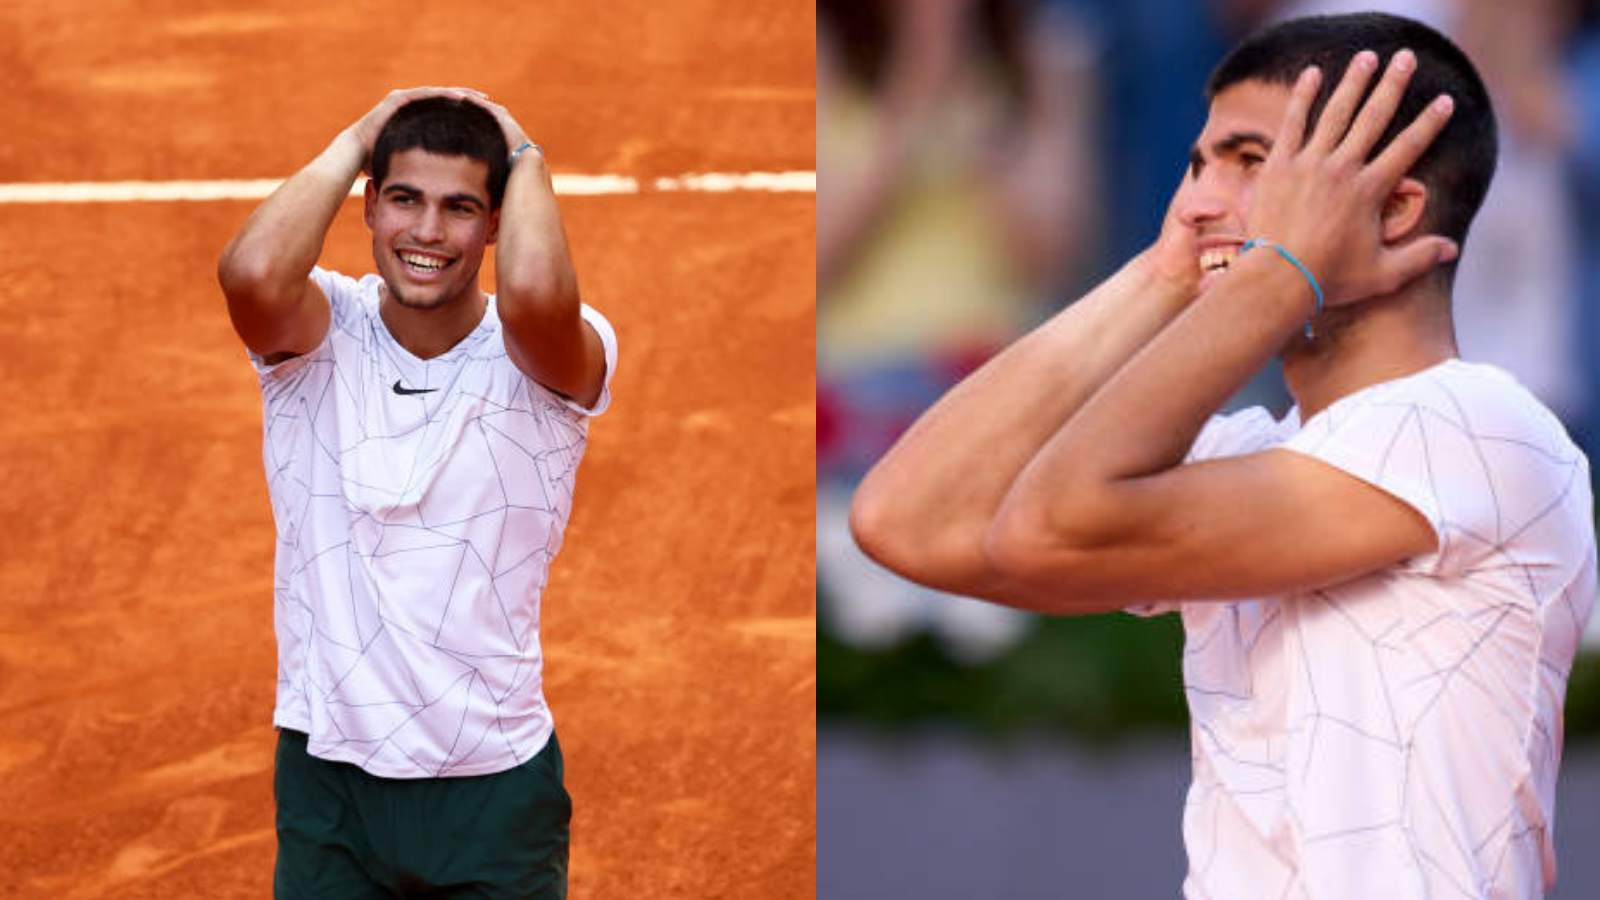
x=494, y=226
x=369, y=199
x=1402, y=211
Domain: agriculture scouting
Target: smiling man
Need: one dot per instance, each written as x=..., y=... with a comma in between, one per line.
x=1382, y=591
x=421, y=443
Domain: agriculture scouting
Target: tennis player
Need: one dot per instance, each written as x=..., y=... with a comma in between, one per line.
x=421, y=442
x=1383, y=590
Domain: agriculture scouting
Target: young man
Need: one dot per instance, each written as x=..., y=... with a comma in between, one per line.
x=1383, y=591
x=421, y=441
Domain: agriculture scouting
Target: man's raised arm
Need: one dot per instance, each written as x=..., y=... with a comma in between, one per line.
x=925, y=507
x=1105, y=515
x=536, y=286
x=265, y=270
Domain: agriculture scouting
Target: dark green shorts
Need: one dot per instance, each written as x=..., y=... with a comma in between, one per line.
x=344, y=834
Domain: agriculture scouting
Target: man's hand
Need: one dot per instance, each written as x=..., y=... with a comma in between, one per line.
x=1174, y=259
x=365, y=130
x=1319, y=197
x=515, y=136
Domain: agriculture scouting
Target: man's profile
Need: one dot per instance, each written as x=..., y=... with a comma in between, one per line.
x=421, y=442
x=1382, y=591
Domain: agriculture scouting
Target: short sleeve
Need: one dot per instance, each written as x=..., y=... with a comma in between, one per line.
x=1471, y=451
x=608, y=340
x=1382, y=438
x=1231, y=434
x=344, y=297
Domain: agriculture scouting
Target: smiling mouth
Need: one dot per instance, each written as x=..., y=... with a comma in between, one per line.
x=1217, y=259
x=423, y=263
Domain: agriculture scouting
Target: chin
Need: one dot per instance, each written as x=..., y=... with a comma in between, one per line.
x=412, y=301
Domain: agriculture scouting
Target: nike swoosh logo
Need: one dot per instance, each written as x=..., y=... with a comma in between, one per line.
x=403, y=391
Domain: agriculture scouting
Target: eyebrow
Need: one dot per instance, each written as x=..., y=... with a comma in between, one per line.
x=1228, y=144
x=403, y=188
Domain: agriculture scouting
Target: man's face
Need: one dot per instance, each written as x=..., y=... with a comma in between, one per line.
x=430, y=223
x=1215, y=196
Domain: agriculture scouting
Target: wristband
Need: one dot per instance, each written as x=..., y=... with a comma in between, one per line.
x=526, y=145
x=1316, y=289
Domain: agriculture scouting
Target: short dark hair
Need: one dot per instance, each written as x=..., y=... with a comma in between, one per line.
x=1459, y=164
x=449, y=127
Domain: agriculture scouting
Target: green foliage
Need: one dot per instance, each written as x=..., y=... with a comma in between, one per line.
x=1583, y=699
x=1097, y=678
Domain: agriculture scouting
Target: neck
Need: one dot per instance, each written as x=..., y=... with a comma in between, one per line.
x=1368, y=343
x=428, y=332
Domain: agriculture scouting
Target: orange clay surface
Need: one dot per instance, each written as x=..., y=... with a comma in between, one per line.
x=136, y=647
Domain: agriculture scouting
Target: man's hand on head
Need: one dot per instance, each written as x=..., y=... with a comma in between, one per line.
x=366, y=129
x=515, y=136
x=1321, y=199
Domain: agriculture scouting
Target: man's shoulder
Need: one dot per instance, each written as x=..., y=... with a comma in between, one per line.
x=1471, y=449
x=334, y=280
x=1484, y=403
x=348, y=296
x=1474, y=400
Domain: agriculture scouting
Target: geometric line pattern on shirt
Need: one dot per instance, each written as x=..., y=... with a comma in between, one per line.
x=399, y=488
x=1430, y=662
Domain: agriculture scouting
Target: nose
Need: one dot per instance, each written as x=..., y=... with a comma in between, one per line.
x=1200, y=202
x=428, y=227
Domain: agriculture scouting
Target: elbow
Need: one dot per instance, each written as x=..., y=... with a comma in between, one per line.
x=873, y=528
x=1018, y=546
x=248, y=276
x=1051, y=566
x=940, y=551
x=902, y=539
x=232, y=272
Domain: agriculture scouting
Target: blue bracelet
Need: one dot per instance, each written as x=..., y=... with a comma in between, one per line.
x=526, y=145
x=1316, y=289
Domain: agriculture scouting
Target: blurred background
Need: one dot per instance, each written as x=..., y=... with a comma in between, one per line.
x=983, y=162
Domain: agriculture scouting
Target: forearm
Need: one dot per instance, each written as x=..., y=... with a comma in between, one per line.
x=534, y=276
x=1146, y=418
x=924, y=509
x=1106, y=513
x=271, y=256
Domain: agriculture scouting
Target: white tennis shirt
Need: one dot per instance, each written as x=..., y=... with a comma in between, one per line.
x=1398, y=735
x=418, y=506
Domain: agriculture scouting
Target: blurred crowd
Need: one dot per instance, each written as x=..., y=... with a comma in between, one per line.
x=983, y=162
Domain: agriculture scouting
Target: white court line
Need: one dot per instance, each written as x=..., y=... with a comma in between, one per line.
x=719, y=182
x=257, y=188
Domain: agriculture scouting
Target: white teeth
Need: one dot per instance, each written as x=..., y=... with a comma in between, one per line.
x=1217, y=260
x=422, y=262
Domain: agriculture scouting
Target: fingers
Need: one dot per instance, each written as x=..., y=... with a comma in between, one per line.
x=1409, y=145
x=1291, y=132
x=399, y=98
x=1378, y=111
x=402, y=97
x=1337, y=135
x=433, y=90
x=1414, y=258
x=491, y=106
x=1341, y=107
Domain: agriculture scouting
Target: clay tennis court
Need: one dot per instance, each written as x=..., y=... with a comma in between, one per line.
x=137, y=663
